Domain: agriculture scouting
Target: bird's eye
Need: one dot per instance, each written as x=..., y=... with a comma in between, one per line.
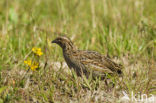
x=59, y=39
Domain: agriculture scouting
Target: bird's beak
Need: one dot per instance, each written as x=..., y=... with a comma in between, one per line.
x=54, y=41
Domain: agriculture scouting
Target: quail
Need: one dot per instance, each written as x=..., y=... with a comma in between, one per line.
x=86, y=62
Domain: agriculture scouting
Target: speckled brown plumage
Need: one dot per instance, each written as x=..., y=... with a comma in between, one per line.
x=85, y=62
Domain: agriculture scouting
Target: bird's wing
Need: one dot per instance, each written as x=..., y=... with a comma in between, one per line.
x=98, y=62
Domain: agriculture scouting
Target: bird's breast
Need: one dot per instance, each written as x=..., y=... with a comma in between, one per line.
x=68, y=60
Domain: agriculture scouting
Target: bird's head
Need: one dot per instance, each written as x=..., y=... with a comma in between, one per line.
x=64, y=42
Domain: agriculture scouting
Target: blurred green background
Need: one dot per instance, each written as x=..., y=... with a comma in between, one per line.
x=114, y=27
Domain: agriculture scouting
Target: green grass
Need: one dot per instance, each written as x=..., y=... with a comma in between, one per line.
x=123, y=29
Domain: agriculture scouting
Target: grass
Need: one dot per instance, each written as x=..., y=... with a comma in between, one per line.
x=123, y=29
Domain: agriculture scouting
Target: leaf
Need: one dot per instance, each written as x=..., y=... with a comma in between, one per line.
x=2, y=89
x=13, y=15
x=87, y=82
x=1, y=100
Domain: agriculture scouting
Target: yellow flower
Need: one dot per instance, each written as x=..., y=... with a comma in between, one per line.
x=34, y=50
x=28, y=62
x=37, y=51
x=34, y=66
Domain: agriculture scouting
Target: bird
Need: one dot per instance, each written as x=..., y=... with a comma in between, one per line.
x=85, y=62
